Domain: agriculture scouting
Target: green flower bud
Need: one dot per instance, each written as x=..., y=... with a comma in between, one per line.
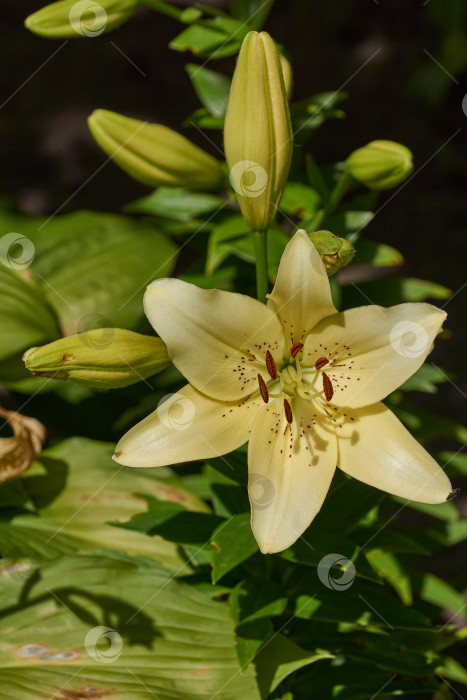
x=258, y=135
x=72, y=19
x=287, y=74
x=102, y=358
x=335, y=252
x=154, y=154
x=381, y=164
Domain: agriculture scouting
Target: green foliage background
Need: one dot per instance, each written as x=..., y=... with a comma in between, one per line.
x=166, y=558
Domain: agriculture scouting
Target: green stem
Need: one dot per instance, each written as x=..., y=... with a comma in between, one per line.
x=261, y=252
x=339, y=191
x=334, y=199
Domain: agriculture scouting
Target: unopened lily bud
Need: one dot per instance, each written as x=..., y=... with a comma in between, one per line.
x=381, y=164
x=258, y=135
x=72, y=19
x=287, y=74
x=335, y=252
x=154, y=154
x=102, y=358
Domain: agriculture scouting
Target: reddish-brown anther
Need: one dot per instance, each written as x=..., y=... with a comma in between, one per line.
x=263, y=389
x=288, y=411
x=321, y=362
x=295, y=349
x=271, y=365
x=327, y=387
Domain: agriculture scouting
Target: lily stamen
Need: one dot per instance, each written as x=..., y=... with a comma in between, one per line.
x=321, y=362
x=271, y=365
x=263, y=389
x=295, y=349
x=327, y=387
x=288, y=411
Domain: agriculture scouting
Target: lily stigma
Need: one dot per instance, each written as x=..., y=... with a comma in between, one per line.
x=300, y=381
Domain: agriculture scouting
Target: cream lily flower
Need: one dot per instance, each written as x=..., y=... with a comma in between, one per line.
x=302, y=382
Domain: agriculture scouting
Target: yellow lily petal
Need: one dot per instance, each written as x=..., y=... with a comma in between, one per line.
x=373, y=350
x=214, y=338
x=374, y=447
x=301, y=296
x=288, y=477
x=186, y=427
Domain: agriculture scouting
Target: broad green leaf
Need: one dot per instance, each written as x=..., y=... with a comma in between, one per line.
x=254, y=12
x=299, y=200
x=174, y=523
x=452, y=669
x=175, y=203
x=232, y=543
x=426, y=379
x=390, y=540
x=377, y=254
x=386, y=565
x=214, y=38
x=26, y=318
x=425, y=425
x=311, y=113
x=440, y=593
x=359, y=606
x=310, y=551
x=278, y=658
x=345, y=679
x=349, y=223
x=100, y=266
x=347, y=503
x=167, y=640
x=442, y=511
x=455, y=461
x=212, y=88
x=92, y=268
x=202, y=118
x=220, y=279
x=251, y=608
x=78, y=490
x=227, y=495
x=391, y=290
x=233, y=237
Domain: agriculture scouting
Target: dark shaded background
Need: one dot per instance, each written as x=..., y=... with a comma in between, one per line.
x=48, y=157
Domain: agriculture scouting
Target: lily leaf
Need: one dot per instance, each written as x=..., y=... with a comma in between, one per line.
x=212, y=88
x=232, y=543
x=78, y=489
x=167, y=640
